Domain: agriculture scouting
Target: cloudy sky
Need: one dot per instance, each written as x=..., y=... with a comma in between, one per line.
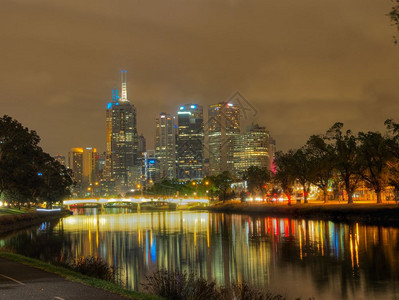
x=303, y=65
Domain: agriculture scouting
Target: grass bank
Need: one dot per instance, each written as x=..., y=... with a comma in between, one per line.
x=382, y=214
x=15, y=219
x=77, y=277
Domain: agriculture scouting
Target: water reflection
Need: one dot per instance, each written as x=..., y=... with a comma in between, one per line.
x=299, y=258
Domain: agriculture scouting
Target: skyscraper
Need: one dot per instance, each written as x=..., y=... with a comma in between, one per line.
x=190, y=142
x=165, y=145
x=251, y=149
x=223, y=126
x=84, y=164
x=122, y=140
x=75, y=162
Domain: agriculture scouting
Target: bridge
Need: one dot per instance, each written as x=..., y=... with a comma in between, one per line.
x=102, y=202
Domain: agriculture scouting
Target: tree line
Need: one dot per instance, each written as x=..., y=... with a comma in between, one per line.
x=337, y=159
x=342, y=158
x=27, y=173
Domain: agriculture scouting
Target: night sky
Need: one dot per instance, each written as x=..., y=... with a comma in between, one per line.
x=303, y=64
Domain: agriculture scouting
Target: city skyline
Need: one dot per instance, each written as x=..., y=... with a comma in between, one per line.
x=302, y=65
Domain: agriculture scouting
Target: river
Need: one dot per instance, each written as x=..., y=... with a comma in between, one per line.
x=292, y=257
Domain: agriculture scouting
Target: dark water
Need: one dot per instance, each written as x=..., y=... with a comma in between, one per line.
x=297, y=258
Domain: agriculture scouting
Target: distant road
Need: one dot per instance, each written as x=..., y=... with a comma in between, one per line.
x=19, y=281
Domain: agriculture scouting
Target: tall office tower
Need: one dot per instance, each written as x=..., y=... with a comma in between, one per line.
x=165, y=145
x=90, y=165
x=223, y=126
x=190, y=142
x=251, y=149
x=75, y=162
x=84, y=164
x=122, y=140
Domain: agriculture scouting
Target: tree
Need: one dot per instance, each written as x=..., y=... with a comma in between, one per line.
x=394, y=15
x=284, y=175
x=302, y=168
x=257, y=179
x=393, y=144
x=18, y=153
x=374, y=156
x=57, y=180
x=25, y=169
x=345, y=157
x=321, y=156
x=223, y=183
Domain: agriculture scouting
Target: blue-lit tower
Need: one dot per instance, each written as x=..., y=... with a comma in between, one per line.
x=122, y=165
x=190, y=142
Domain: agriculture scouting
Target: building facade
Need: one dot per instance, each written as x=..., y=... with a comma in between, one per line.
x=151, y=168
x=190, y=142
x=251, y=149
x=75, y=163
x=222, y=127
x=165, y=145
x=84, y=164
x=122, y=164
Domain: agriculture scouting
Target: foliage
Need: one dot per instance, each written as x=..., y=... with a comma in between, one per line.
x=95, y=267
x=394, y=15
x=347, y=159
x=222, y=183
x=291, y=166
x=178, y=285
x=284, y=175
x=321, y=156
x=257, y=179
x=374, y=154
x=27, y=173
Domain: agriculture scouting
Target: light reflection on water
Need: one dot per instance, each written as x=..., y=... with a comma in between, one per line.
x=299, y=258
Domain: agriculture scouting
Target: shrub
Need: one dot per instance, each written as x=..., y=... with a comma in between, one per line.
x=95, y=267
x=178, y=285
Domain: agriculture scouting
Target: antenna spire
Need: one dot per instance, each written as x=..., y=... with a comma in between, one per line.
x=124, y=89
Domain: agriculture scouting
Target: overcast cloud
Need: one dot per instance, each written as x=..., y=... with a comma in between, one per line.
x=303, y=64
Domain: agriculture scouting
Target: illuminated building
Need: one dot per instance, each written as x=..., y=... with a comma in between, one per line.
x=151, y=168
x=122, y=164
x=251, y=149
x=75, y=162
x=223, y=126
x=190, y=142
x=165, y=145
x=84, y=164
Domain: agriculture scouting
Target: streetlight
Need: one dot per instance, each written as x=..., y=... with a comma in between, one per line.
x=139, y=186
x=196, y=188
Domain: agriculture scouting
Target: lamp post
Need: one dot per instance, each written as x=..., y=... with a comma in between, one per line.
x=196, y=187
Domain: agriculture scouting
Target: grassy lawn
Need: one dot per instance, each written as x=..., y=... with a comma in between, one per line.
x=77, y=277
x=13, y=211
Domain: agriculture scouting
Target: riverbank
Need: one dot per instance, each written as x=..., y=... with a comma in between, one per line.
x=56, y=279
x=381, y=214
x=14, y=219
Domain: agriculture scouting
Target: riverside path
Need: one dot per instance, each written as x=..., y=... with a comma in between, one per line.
x=19, y=281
